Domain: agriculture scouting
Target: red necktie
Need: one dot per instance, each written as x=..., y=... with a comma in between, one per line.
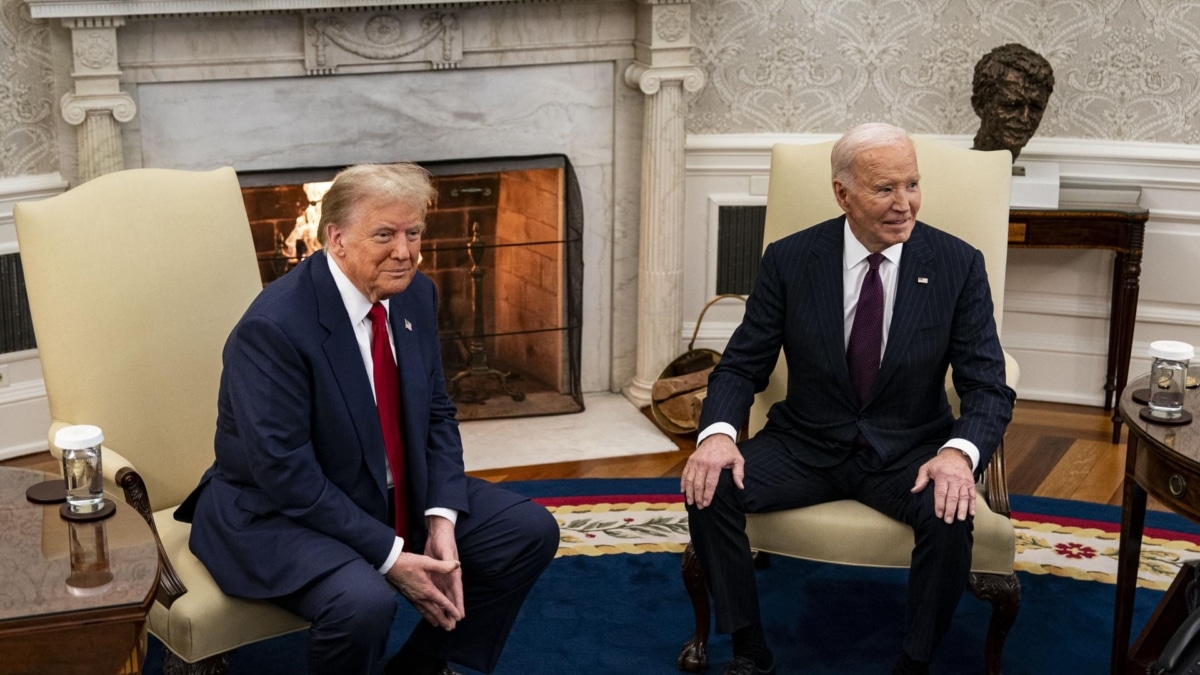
x=866, y=335
x=387, y=399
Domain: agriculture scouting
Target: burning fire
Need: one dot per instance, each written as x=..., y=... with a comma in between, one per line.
x=305, y=231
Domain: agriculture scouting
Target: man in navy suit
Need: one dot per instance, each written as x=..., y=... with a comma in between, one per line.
x=870, y=309
x=299, y=507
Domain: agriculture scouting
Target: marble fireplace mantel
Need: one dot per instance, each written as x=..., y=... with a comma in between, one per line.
x=276, y=84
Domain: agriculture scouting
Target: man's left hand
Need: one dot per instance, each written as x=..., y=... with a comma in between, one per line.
x=441, y=545
x=953, y=484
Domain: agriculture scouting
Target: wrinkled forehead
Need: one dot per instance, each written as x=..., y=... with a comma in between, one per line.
x=892, y=161
x=387, y=207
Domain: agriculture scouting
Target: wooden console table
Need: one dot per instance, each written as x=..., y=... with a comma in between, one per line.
x=1121, y=229
x=1163, y=462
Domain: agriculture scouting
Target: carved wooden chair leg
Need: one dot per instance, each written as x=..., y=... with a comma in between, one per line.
x=1004, y=592
x=213, y=665
x=694, y=657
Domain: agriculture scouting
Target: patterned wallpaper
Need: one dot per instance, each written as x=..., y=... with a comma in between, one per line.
x=27, y=124
x=1124, y=69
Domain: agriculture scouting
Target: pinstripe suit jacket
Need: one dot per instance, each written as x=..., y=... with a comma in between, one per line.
x=944, y=320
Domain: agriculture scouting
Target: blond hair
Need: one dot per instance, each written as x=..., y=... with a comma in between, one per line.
x=373, y=184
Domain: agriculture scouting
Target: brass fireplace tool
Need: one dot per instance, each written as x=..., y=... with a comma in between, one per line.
x=479, y=367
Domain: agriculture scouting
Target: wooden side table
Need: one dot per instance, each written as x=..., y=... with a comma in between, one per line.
x=1163, y=461
x=1121, y=229
x=73, y=596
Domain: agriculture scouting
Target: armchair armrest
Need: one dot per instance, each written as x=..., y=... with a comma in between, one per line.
x=170, y=587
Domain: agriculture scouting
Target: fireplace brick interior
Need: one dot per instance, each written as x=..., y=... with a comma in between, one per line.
x=518, y=217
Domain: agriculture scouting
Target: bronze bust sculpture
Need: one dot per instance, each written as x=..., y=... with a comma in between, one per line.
x=1009, y=92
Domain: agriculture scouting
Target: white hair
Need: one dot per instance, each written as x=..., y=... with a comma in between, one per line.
x=857, y=139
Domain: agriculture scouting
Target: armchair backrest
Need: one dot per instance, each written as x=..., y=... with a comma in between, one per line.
x=134, y=281
x=963, y=192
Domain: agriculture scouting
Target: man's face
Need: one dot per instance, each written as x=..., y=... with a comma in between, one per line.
x=1014, y=111
x=882, y=201
x=379, y=249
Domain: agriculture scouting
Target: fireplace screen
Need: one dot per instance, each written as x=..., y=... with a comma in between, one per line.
x=503, y=245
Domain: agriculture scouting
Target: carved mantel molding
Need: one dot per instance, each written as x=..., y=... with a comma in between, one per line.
x=64, y=9
x=97, y=104
x=152, y=46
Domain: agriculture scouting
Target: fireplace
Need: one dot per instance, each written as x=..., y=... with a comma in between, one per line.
x=268, y=85
x=503, y=246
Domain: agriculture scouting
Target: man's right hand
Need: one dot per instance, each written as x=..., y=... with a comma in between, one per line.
x=411, y=575
x=716, y=453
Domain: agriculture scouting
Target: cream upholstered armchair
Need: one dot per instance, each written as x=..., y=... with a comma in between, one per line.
x=134, y=281
x=965, y=193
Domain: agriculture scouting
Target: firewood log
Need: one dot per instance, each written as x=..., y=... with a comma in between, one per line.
x=673, y=386
x=683, y=410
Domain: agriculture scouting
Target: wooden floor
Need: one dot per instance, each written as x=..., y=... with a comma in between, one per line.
x=1052, y=450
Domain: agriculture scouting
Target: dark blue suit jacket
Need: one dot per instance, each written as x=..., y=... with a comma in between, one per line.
x=943, y=315
x=299, y=486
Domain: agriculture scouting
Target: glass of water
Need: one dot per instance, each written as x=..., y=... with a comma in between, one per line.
x=1168, y=377
x=80, y=445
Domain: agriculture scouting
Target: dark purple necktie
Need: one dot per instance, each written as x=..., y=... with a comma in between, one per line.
x=866, y=336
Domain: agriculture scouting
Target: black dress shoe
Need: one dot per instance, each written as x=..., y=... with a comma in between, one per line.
x=744, y=666
x=409, y=663
x=906, y=665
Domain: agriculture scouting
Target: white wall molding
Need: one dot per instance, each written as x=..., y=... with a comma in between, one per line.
x=23, y=392
x=24, y=410
x=23, y=189
x=17, y=357
x=24, y=417
x=1050, y=304
x=1097, y=151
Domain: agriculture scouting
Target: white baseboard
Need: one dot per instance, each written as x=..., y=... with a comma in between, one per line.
x=24, y=419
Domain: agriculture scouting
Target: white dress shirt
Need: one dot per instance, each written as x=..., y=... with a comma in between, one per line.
x=357, y=307
x=854, y=271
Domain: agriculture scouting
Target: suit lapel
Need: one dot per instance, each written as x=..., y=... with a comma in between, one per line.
x=409, y=360
x=916, y=263
x=827, y=278
x=341, y=349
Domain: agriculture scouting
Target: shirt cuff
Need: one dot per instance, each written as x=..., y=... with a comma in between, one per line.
x=449, y=514
x=397, y=548
x=966, y=447
x=717, y=428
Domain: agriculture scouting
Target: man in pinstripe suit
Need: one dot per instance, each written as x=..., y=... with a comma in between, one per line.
x=867, y=339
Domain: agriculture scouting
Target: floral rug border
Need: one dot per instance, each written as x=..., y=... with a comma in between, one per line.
x=1042, y=546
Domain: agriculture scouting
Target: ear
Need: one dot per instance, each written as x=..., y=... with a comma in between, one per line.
x=335, y=242
x=841, y=193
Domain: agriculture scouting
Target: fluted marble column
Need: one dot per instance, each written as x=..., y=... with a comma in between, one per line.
x=663, y=72
x=97, y=105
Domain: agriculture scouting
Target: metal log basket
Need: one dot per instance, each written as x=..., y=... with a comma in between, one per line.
x=692, y=361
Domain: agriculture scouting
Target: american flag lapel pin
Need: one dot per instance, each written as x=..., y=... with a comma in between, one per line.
x=407, y=325
x=920, y=280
